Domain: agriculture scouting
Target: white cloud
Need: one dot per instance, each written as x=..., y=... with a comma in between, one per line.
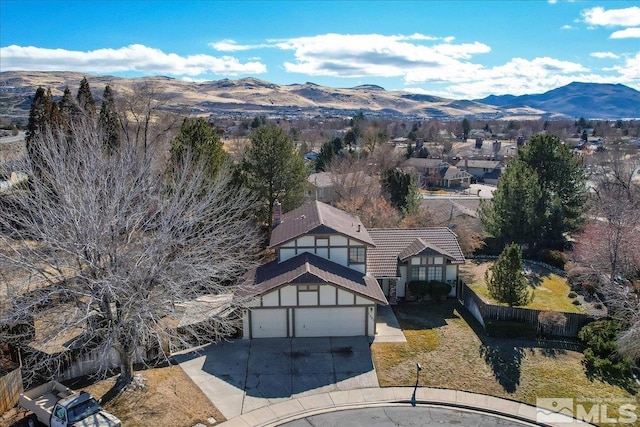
x=361, y=55
x=630, y=71
x=602, y=55
x=567, y=27
x=132, y=58
x=627, y=33
x=598, y=16
x=228, y=45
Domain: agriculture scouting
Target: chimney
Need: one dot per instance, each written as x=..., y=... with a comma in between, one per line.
x=466, y=163
x=358, y=228
x=277, y=213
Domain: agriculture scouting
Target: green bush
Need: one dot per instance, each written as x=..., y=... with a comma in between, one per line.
x=438, y=289
x=576, y=302
x=572, y=294
x=419, y=288
x=601, y=356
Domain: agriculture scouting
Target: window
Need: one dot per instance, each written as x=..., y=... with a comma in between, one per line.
x=307, y=287
x=356, y=256
x=419, y=273
x=435, y=273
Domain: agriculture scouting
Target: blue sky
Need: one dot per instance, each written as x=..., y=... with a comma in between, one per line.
x=457, y=49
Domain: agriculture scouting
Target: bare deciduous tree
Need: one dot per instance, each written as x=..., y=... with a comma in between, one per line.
x=607, y=253
x=107, y=254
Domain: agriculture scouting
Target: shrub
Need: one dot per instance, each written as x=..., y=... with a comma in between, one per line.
x=589, y=288
x=554, y=258
x=438, y=289
x=600, y=356
x=547, y=320
x=576, y=302
x=572, y=294
x=419, y=288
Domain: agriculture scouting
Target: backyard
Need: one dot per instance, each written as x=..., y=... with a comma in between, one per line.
x=456, y=354
x=551, y=291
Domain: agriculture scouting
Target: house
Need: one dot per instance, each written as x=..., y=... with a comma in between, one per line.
x=331, y=273
x=487, y=171
x=437, y=173
x=328, y=187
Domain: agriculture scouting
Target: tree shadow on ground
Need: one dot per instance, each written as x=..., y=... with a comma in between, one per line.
x=413, y=315
x=505, y=362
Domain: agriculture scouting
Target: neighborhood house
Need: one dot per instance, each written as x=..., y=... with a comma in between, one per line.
x=331, y=273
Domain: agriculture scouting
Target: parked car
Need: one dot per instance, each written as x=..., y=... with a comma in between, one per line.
x=55, y=405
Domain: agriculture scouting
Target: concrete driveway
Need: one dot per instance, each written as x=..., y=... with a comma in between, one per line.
x=245, y=375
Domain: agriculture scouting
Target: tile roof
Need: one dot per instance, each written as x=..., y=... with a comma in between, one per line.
x=420, y=163
x=318, y=218
x=382, y=260
x=445, y=210
x=420, y=247
x=309, y=268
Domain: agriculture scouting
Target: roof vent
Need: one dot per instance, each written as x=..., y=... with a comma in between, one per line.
x=358, y=228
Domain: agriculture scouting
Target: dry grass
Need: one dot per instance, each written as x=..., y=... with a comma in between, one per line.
x=455, y=354
x=170, y=398
x=550, y=290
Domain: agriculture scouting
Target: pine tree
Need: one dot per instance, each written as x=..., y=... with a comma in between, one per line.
x=68, y=110
x=506, y=284
x=85, y=100
x=274, y=169
x=37, y=115
x=517, y=212
x=108, y=121
x=198, y=137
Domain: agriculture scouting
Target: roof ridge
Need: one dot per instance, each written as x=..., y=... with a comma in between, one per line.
x=319, y=212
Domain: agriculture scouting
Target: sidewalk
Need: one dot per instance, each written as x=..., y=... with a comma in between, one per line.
x=393, y=396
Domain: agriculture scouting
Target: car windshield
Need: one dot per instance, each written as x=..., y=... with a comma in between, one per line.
x=83, y=410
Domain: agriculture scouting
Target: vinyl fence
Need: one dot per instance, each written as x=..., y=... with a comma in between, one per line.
x=482, y=312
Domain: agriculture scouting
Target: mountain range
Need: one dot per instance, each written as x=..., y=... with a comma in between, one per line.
x=250, y=96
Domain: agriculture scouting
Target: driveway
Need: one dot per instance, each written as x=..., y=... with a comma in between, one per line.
x=245, y=375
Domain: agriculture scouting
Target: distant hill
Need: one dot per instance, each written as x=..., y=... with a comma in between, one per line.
x=589, y=100
x=251, y=96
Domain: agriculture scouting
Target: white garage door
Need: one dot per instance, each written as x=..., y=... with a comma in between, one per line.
x=330, y=322
x=268, y=323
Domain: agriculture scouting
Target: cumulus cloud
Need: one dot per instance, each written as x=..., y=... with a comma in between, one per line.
x=627, y=33
x=132, y=58
x=361, y=55
x=567, y=27
x=602, y=55
x=599, y=16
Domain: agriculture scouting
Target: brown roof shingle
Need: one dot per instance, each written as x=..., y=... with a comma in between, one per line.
x=318, y=218
x=382, y=260
x=309, y=268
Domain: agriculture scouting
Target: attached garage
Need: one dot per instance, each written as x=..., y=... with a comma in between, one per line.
x=330, y=321
x=309, y=296
x=269, y=323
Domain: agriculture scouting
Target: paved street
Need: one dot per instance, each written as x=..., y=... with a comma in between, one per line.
x=393, y=416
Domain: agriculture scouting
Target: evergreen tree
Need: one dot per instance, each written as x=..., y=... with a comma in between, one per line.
x=402, y=191
x=37, y=115
x=517, y=211
x=199, y=138
x=108, y=121
x=506, y=284
x=561, y=179
x=68, y=110
x=325, y=157
x=274, y=169
x=85, y=100
x=466, y=128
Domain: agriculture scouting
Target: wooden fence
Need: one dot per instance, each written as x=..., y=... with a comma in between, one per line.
x=10, y=389
x=482, y=312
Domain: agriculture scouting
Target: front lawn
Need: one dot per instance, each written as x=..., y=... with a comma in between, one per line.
x=550, y=290
x=455, y=354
